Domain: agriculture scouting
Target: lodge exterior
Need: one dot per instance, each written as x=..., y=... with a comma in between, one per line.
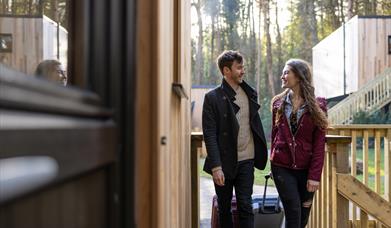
x=117, y=147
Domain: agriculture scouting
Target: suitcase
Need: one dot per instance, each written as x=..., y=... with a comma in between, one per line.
x=268, y=211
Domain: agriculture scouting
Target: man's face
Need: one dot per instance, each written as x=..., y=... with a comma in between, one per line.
x=236, y=73
x=60, y=75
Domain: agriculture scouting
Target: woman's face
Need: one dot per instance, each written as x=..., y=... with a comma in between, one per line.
x=288, y=78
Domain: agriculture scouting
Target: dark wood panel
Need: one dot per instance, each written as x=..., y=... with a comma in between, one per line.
x=77, y=145
x=81, y=202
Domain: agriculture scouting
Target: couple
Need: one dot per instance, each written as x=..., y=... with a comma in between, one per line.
x=235, y=141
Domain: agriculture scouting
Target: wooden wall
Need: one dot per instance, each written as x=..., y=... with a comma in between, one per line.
x=328, y=61
x=373, y=47
x=162, y=172
x=366, y=55
x=27, y=43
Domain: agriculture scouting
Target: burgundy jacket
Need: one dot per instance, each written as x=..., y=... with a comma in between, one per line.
x=305, y=149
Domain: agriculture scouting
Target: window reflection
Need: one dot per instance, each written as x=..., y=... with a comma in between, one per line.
x=34, y=37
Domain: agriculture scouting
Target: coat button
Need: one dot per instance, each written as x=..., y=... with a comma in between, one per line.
x=225, y=133
x=224, y=98
x=290, y=144
x=225, y=115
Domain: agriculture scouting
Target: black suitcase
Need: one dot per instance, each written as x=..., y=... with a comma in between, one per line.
x=268, y=212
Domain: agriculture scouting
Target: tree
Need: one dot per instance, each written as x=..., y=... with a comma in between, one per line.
x=199, y=70
x=259, y=47
x=280, y=64
x=230, y=12
x=212, y=9
x=269, y=57
x=350, y=8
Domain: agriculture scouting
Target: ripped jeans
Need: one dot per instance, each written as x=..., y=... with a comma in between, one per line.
x=292, y=188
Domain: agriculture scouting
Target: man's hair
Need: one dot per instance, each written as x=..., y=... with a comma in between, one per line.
x=46, y=67
x=227, y=58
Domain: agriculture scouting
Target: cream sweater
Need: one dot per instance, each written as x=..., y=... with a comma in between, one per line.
x=245, y=136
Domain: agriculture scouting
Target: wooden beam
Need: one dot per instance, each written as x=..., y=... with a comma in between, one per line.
x=377, y=161
x=387, y=165
x=340, y=205
x=361, y=126
x=364, y=197
x=333, y=139
x=196, y=142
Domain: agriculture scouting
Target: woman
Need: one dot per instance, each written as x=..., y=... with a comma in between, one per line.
x=298, y=141
x=52, y=70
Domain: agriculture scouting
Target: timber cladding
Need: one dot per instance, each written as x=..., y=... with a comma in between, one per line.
x=373, y=53
x=26, y=51
x=162, y=154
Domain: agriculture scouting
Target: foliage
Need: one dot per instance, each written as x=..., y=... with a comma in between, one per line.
x=380, y=117
x=54, y=9
x=234, y=24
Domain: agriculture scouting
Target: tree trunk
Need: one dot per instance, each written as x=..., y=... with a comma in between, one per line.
x=199, y=57
x=218, y=32
x=374, y=6
x=212, y=47
x=253, y=46
x=279, y=48
x=342, y=16
x=313, y=23
x=259, y=47
x=350, y=9
x=269, y=57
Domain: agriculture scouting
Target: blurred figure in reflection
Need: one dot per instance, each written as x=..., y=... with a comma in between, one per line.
x=52, y=70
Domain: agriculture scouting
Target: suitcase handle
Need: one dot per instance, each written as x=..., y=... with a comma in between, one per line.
x=262, y=208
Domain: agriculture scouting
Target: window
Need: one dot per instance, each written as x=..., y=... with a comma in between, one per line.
x=389, y=45
x=5, y=42
x=47, y=24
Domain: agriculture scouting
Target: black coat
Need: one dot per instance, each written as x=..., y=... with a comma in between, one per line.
x=221, y=128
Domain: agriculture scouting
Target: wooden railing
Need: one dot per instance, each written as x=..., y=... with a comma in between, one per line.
x=370, y=98
x=359, y=197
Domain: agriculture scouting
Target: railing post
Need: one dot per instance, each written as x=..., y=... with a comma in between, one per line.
x=196, y=142
x=338, y=148
x=387, y=165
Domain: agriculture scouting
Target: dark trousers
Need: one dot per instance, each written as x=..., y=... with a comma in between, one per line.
x=243, y=183
x=292, y=188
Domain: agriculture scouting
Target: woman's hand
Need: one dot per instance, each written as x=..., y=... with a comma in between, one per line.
x=312, y=185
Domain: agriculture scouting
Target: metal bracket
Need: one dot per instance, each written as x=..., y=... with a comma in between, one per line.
x=179, y=90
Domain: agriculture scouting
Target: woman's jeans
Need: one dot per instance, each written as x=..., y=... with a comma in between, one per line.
x=292, y=188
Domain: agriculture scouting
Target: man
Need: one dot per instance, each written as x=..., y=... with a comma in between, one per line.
x=234, y=139
x=52, y=70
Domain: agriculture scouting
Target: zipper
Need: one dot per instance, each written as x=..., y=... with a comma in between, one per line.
x=293, y=137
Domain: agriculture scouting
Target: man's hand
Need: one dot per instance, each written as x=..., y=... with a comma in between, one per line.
x=312, y=185
x=218, y=176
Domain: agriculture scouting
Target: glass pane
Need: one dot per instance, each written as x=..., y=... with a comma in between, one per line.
x=34, y=37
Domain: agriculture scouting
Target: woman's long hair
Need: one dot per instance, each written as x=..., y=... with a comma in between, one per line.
x=302, y=70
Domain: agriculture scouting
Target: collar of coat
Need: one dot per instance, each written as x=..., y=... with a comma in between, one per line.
x=250, y=92
x=321, y=101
